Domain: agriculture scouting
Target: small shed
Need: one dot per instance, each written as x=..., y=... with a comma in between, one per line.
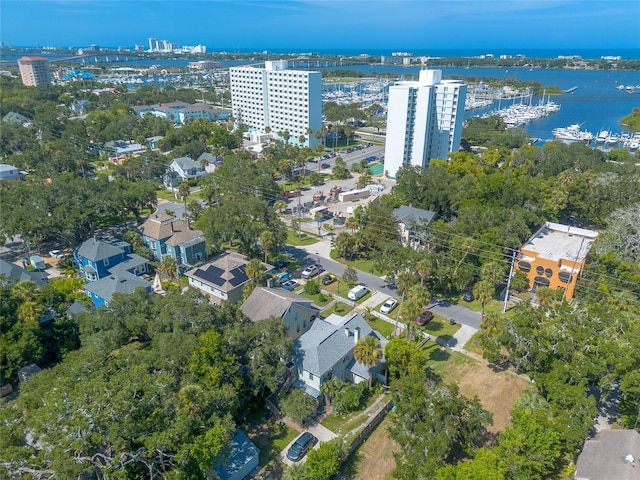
x=239, y=459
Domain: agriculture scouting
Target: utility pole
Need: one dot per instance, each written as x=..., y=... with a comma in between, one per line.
x=299, y=216
x=506, y=293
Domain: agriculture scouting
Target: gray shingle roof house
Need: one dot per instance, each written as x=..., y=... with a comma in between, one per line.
x=10, y=272
x=223, y=276
x=410, y=219
x=297, y=313
x=186, y=168
x=123, y=282
x=239, y=459
x=326, y=350
x=610, y=455
x=16, y=118
x=9, y=172
x=110, y=267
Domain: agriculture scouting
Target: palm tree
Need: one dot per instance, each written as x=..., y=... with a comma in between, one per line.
x=267, y=240
x=183, y=191
x=492, y=272
x=368, y=351
x=169, y=266
x=254, y=269
x=410, y=311
x=424, y=268
x=280, y=205
x=483, y=291
x=545, y=296
x=330, y=387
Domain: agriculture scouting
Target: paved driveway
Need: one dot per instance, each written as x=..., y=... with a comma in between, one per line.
x=323, y=435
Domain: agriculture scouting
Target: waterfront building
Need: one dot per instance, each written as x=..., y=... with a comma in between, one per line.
x=424, y=120
x=278, y=98
x=555, y=256
x=34, y=71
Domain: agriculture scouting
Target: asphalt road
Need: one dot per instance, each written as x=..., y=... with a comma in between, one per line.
x=455, y=311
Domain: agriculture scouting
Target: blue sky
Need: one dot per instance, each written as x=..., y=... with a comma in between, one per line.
x=310, y=25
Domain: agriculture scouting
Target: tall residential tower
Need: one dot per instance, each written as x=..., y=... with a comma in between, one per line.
x=424, y=120
x=34, y=71
x=279, y=98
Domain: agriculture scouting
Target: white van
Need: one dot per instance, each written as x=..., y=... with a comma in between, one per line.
x=357, y=292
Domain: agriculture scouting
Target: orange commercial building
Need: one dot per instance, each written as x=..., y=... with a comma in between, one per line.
x=34, y=71
x=555, y=256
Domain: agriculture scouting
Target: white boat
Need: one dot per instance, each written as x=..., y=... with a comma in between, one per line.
x=613, y=139
x=573, y=133
x=602, y=136
x=633, y=146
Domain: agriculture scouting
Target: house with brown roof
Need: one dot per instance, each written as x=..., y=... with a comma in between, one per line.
x=223, y=277
x=166, y=235
x=297, y=313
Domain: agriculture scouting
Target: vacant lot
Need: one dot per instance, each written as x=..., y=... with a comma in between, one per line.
x=374, y=460
x=497, y=392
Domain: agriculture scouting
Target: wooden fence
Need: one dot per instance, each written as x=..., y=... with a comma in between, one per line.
x=369, y=426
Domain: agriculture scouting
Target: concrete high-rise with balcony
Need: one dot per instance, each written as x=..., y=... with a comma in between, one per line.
x=424, y=120
x=34, y=71
x=276, y=97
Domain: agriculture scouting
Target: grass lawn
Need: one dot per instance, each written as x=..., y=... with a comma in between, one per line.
x=270, y=437
x=474, y=344
x=440, y=327
x=337, y=307
x=362, y=264
x=165, y=194
x=343, y=424
x=374, y=459
x=302, y=240
x=385, y=328
x=318, y=298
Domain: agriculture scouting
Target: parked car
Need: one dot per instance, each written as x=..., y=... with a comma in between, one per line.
x=389, y=305
x=289, y=285
x=325, y=165
x=328, y=279
x=468, y=297
x=424, y=318
x=298, y=449
x=311, y=271
x=56, y=254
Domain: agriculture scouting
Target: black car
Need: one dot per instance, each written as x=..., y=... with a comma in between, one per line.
x=328, y=279
x=325, y=165
x=468, y=297
x=300, y=446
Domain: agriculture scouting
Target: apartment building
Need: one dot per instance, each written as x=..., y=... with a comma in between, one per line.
x=34, y=71
x=424, y=120
x=555, y=256
x=279, y=98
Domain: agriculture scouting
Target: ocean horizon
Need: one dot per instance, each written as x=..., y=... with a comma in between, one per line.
x=585, y=53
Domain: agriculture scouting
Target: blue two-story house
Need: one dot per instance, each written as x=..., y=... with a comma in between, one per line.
x=110, y=267
x=166, y=235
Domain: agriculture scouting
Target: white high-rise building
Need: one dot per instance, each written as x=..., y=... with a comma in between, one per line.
x=424, y=120
x=279, y=98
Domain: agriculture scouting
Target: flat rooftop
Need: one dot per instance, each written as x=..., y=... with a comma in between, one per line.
x=555, y=242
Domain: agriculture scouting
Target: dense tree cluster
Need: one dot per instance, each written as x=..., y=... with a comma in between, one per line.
x=156, y=389
x=34, y=327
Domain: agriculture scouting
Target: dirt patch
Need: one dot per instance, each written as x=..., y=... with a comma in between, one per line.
x=497, y=391
x=374, y=459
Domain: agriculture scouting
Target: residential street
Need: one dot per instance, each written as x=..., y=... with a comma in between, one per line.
x=319, y=253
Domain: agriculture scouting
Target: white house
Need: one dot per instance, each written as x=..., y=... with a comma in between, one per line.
x=185, y=168
x=326, y=351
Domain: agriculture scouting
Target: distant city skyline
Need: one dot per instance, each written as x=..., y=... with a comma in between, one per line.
x=310, y=25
